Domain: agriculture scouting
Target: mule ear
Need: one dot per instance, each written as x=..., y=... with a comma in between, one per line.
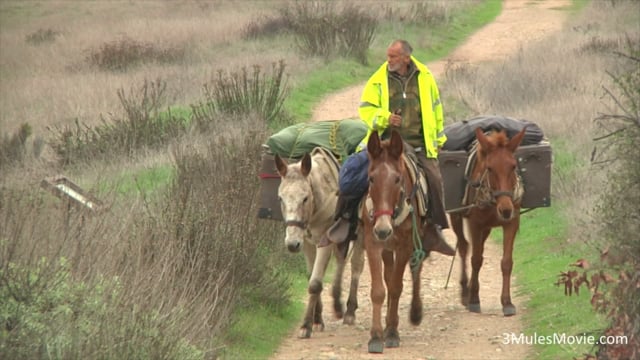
x=305, y=164
x=281, y=165
x=397, y=146
x=516, y=140
x=482, y=138
x=373, y=145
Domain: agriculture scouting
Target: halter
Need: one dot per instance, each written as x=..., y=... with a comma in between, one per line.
x=398, y=214
x=403, y=207
x=297, y=223
x=334, y=166
x=487, y=195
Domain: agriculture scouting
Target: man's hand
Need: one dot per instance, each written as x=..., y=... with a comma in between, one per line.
x=395, y=119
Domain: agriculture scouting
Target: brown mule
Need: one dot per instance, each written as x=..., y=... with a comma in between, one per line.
x=494, y=193
x=392, y=238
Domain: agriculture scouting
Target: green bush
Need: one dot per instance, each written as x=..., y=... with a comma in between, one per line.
x=143, y=125
x=242, y=94
x=46, y=314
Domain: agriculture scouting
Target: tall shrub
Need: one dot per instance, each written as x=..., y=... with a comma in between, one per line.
x=615, y=282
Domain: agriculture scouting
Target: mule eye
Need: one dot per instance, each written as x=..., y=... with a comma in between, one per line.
x=279, y=198
x=397, y=179
x=370, y=180
x=305, y=199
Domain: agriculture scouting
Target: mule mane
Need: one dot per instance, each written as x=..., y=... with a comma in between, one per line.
x=495, y=140
x=498, y=138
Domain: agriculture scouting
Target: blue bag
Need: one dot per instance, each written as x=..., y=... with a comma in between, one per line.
x=354, y=178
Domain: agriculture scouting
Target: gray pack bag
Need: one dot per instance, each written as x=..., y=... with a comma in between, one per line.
x=461, y=134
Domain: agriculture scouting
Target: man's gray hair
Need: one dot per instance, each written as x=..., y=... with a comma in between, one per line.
x=406, y=47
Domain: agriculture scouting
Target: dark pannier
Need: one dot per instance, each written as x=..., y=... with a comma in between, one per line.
x=269, y=183
x=534, y=166
x=452, y=167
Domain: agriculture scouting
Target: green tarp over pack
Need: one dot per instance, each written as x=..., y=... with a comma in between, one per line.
x=339, y=136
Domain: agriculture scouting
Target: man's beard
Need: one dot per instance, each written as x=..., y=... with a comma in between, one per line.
x=394, y=67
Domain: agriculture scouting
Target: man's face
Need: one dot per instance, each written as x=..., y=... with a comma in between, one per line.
x=398, y=61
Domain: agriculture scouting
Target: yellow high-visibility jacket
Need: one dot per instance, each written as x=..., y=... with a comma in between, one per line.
x=374, y=107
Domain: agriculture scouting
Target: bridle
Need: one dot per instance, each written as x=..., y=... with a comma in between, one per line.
x=487, y=195
x=403, y=206
x=296, y=223
x=397, y=209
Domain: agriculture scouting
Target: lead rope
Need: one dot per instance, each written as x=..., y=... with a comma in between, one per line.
x=418, y=252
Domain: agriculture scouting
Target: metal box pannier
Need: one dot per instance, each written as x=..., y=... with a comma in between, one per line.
x=534, y=162
x=269, y=183
x=452, y=167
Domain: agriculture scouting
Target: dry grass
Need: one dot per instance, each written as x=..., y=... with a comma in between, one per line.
x=51, y=83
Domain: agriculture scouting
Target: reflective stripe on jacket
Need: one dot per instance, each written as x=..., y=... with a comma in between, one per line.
x=374, y=107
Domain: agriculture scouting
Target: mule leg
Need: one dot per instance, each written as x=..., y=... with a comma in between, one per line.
x=478, y=237
x=357, y=264
x=374, y=257
x=415, y=313
x=336, y=289
x=457, y=224
x=313, y=314
x=506, y=265
x=394, y=287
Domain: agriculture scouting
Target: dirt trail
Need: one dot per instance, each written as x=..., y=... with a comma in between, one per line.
x=448, y=330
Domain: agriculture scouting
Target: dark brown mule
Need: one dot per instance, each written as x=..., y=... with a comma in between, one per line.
x=494, y=193
x=389, y=238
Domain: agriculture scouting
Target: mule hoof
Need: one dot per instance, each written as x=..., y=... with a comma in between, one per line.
x=415, y=315
x=349, y=319
x=474, y=308
x=392, y=342
x=304, y=333
x=391, y=338
x=376, y=346
x=509, y=310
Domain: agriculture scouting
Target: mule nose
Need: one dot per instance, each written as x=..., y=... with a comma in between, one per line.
x=383, y=234
x=506, y=214
x=294, y=248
